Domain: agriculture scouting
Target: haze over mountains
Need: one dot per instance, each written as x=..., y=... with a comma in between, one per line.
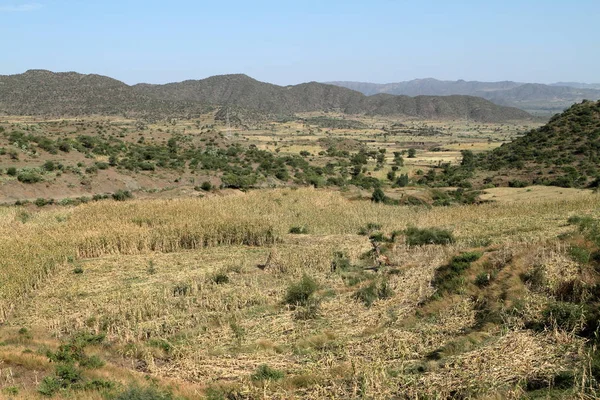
x=40, y=92
x=532, y=97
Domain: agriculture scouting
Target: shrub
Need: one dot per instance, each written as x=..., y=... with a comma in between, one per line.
x=266, y=373
x=517, y=184
x=566, y=316
x=122, y=195
x=412, y=153
x=78, y=270
x=148, y=393
x=299, y=293
x=11, y=171
x=29, y=177
x=483, y=279
x=49, y=166
x=299, y=230
x=419, y=237
x=580, y=255
x=378, y=196
x=220, y=278
x=372, y=292
x=206, y=186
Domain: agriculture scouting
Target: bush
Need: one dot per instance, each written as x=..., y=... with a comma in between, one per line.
x=11, y=171
x=220, y=278
x=29, y=177
x=567, y=316
x=49, y=166
x=372, y=292
x=300, y=293
x=378, y=196
x=299, y=230
x=517, y=184
x=419, y=237
x=266, y=373
x=148, y=393
x=206, y=186
x=122, y=195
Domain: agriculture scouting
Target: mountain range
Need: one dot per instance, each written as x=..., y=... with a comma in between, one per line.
x=40, y=92
x=535, y=98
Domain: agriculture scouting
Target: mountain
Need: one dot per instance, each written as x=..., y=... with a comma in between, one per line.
x=243, y=91
x=564, y=152
x=578, y=85
x=39, y=92
x=536, y=98
x=428, y=86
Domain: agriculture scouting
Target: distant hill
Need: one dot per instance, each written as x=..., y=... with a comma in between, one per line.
x=536, y=98
x=243, y=91
x=578, y=85
x=565, y=152
x=39, y=92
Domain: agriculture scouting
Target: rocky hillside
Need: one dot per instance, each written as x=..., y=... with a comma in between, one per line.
x=46, y=93
x=39, y=92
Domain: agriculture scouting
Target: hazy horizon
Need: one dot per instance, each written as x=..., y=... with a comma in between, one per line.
x=379, y=42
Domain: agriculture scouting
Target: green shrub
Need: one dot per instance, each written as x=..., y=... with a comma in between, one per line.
x=148, y=393
x=206, y=186
x=378, y=196
x=567, y=316
x=122, y=195
x=299, y=293
x=517, y=184
x=29, y=177
x=266, y=373
x=49, y=166
x=11, y=171
x=419, y=237
x=580, y=254
x=483, y=279
x=373, y=292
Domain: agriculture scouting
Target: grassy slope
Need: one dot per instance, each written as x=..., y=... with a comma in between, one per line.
x=564, y=152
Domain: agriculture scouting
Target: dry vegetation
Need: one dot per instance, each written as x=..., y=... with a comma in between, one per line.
x=215, y=299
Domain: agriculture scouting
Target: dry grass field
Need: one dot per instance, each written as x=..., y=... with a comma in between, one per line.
x=215, y=298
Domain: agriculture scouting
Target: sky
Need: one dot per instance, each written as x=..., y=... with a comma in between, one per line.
x=289, y=42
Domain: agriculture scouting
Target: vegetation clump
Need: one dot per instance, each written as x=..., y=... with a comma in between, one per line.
x=419, y=237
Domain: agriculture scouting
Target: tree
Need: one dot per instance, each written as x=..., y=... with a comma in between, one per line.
x=402, y=180
x=412, y=153
x=378, y=196
x=468, y=158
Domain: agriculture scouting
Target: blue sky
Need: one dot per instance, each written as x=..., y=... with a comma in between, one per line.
x=288, y=42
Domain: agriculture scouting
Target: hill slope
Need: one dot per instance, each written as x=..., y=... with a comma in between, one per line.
x=243, y=91
x=46, y=93
x=564, y=152
x=538, y=98
x=39, y=92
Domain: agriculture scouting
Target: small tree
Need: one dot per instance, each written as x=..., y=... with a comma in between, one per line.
x=378, y=196
x=412, y=153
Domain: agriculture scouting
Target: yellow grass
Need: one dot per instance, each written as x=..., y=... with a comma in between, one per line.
x=148, y=275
